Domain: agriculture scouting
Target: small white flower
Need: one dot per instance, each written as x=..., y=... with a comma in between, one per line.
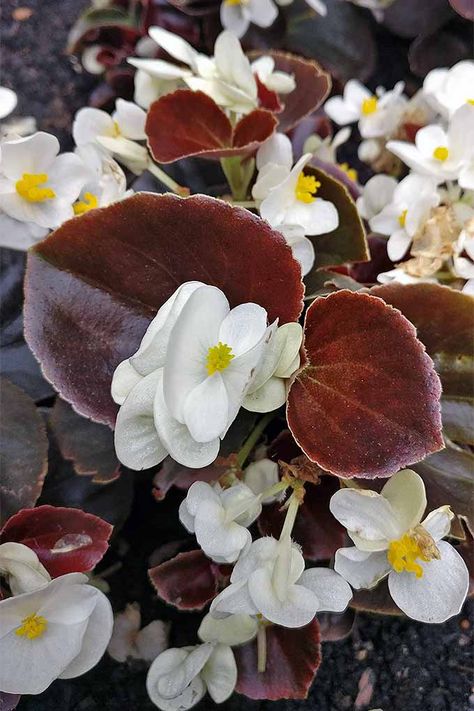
x=378, y=114
x=183, y=388
x=117, y=134
x=59, y=631
x=449, y=89
x=444, y=155
x=262, y=475
x=21, y=567
x=400, y=275
x=376, y=194
x=237, y=15
x=179, y=678
x=270, y=580
x=36, y=185
x=427, y=577
x=404, y=212
x=325, y=149
x=281, y=82
x=8, y=102
x=287, y=198
x=219, y=518
x=106, y=181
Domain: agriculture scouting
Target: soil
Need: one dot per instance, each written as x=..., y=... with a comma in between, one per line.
x=392, y=664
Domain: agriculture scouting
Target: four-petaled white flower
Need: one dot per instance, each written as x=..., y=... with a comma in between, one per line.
x=22, y=568
x=58, y=631
x=179, y=678
x=219, y=518
x=117, y=133
x=270, y=580
x=444, y=155
x=449, y=89
x=407, y=206
x=37, y=188
x=287, y=198
x=378, y=114
x=237, y=15
x=183, y=388
x=427, y=577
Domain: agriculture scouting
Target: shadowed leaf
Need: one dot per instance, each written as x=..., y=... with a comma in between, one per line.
x=188, y=581
x=366, y=402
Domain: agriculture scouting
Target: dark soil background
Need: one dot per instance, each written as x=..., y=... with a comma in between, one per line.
x=391, y=664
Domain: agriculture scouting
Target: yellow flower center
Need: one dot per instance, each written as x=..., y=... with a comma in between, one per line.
x=369, y=106
x=441, y=153
x=415, y=545
x=218, y=358
x=89, y=203
x=236, y=2
x=116, y=132
x=470, y=101
x=28, y=187
x=306, y=187
x=32, y=626
x=402, y=218
x=350, y=172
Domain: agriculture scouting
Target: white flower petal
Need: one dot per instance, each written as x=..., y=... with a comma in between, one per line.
x=233, y=600
x=296, y=610
x=316, y=218
x=220, y=673
x=232, y=630
x=8, y=101
x=174, y=45
x=22, y=567
x=206, y=409
x=367, y=514
x=262, y=13
x=130, y=119
x=332, y=591
x=124, y=379
x=268, y=397
x=405, y=491
x=276, y=149
x=261, y=475
x=33, y=154
x=340, y=111
x=243, y=327
x=439, y=593
x=233, y=19
x=438, y=522
x=361, y=569
x=90, y=123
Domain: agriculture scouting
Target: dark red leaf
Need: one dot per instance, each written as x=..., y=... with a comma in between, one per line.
x=366, y=403
x=315, y=530
x=367, y=272
x=408, y=19
x=65, y=540
x=94, y=284
x=465, y=8
x=24, y=448
x=173, y=474
x=313, y=85
x=335, y=626
x=376, y=600
x=267, y=99
x=89, y=445
x=9, y=702
x=293, y=658
x=189, y=123
x=188, y=581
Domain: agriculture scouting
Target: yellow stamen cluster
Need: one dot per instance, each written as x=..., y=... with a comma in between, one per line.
x=89, y=203
x=306, y=188
x=415, y=545
x=28, y=187
x=441, y=153
x=470, y=101
x=402, y=218
x=369, y=106
x=218, y=358
x=32, y=626
x=235, y=2
x=350, y=172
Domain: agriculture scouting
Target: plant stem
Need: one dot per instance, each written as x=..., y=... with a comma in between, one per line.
x=167, y=180
x=261, y=648
x=253, y=438
x=244, y=203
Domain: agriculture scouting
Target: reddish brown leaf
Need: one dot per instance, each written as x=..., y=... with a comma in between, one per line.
x=24, y=448
x=315, y=530
x=173, y=474
x=189, y=123
x=376, y=600
x=65, y=540
x=293, y=658
x=188, y=581
x=94, y=284
x=464, y=7
x=366, y=403
x=89, y=445
x=9, y=702
x=267, y=99
x=335, y=626
x=313, y=85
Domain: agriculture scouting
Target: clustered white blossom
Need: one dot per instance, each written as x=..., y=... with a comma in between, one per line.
x=199, y=362
x=49, y=629
x=428, y=216
x=237, y=15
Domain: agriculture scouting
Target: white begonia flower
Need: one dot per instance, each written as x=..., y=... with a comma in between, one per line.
x=106, y=182
x=444, y=155
x=427, y=578
x=449, y=89
x=270, y=580
x=38, y=187
x=117, y=133
x=404, y=213
x=286, y=197
x=8, y=101
x=219, y=518
x=59, y=631
x=183, y=388
x=237, y=15
x=400, y=275
x=376, y=194
x=378, y=114
x=325, y=149
x=232, y=630
x=22, y=568
x=179, y=678
x=262, y=475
